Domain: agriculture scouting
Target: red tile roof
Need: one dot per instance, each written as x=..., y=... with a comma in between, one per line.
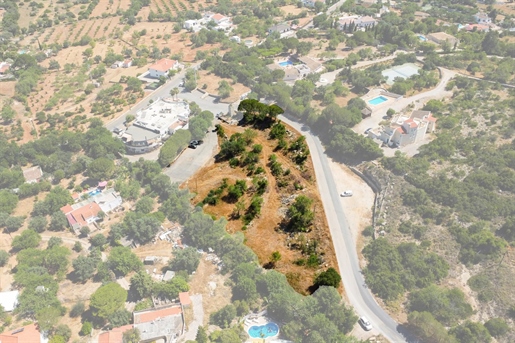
x=148, y=316
x=115, y=335
x=82, y=214
x=218, y=16
x=4, y=68
x=163, y=64
x=479, y=27
x=184, y=298
x=411, y=123
x=431, y=118
x=26, y=334
x=67, y=208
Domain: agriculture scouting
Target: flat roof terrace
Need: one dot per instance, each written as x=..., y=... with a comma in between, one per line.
x=159, y=116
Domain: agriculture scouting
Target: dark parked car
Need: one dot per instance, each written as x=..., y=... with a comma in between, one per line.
x=195, y=143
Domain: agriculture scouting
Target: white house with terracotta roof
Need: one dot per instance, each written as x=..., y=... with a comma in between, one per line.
x=4, y=67
x=88, y=211
x=162, y=67
x=155, y=325
x=405, y=130
x=220, y=18
x=477, y=27
x=81, y=216
x=165, y=324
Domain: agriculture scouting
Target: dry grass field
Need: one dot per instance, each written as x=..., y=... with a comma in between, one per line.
x=264, y=235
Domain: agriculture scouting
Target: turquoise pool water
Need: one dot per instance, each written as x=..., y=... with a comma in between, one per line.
x=422, y=38
x=286, y=63
x=264, y=331
x=95, y=192
x=378, y=100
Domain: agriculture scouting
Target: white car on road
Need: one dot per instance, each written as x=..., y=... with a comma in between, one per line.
x=346, y=194
x=365, y=323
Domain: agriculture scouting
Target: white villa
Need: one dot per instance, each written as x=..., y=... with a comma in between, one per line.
x=162, y=67
x=405, y=130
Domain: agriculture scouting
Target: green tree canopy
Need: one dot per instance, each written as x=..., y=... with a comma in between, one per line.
x=186, y=259
x=142, y=284
x=107, y=300
x=27, y=239
x=122, y=260
x=300, y=214
x=101, y=169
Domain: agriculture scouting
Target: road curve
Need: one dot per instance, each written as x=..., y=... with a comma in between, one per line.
x=359, y=296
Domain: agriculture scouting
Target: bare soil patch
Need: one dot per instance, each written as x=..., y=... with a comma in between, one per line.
x=7, y=88
x=292, y=9
x=211, y=82
x=212, y=285
x=264, y=235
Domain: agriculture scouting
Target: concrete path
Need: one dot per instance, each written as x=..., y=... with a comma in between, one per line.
x=358, y=294
x=198, y=318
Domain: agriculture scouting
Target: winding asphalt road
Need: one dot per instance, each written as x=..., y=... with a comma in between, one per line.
x=359, y=296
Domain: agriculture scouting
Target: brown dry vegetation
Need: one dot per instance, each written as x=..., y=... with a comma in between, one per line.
x=207, y=275
x=211, y=81
x=263, y=235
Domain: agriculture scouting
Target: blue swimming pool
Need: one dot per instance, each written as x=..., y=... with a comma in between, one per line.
x=264, y=331
x=422, y=38
x=286, y=63
x=377, y=100
x=95, y=192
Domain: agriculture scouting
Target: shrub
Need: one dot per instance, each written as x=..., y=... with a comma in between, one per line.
x=77, y=310
x=224, y=316
x=328, y=278
x=4, y=257
x=86, y=329
x=497, y=327
x=369, y=231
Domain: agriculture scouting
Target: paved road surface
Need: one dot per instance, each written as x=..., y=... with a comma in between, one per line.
x=192, y=160
x=359, y=296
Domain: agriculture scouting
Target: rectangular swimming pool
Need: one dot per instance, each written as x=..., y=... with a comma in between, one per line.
x=285, y=63
x=377, y=100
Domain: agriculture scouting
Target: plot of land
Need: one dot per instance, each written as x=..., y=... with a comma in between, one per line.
x=211, y=82
x=264, y=235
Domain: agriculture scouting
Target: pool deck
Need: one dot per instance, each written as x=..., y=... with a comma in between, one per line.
x=380, y=92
